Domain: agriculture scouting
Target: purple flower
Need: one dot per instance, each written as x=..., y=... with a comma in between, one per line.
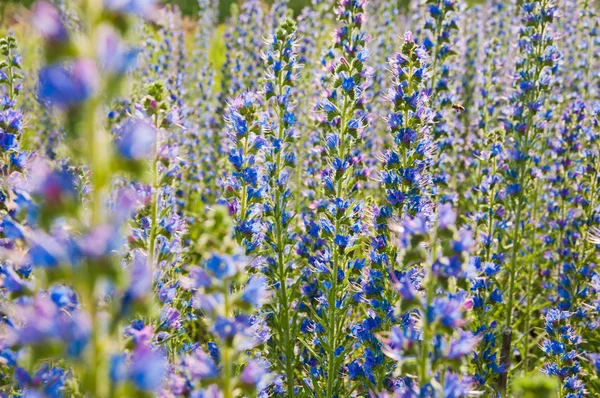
x=42, y=322
x=47, y=21
x=171, y=318
x=255, y=291
x=136, y=140
x=463, y=345
x=57, y=188
x=140, y=283
x=10, y=229
x=225, y=328
x=64, y=297
x=142, y=8
x=348, y=83
x=447, y=216
x=201, y=365
x=147, y=368
x=448, y=311
x=253, y=373
x=100, y=241
x=455, y=387
x=8, y=141
x=112, y=52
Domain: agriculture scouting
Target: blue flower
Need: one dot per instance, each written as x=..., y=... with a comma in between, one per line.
x=11, y=229
x=147, y=368
x=221, y=266
x=348, y=84
x=8, y=141
x=255, y=291
x=136, y=140
x=137, y=7
x=225, y=328
x=67, y=86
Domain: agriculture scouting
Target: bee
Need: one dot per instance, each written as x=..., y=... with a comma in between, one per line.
x=458, y=108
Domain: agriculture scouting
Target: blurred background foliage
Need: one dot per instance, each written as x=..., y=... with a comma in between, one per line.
x=188, y=7
x=14, y=19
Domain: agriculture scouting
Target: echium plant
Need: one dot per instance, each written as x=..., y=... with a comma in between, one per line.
x=484, y=151
x=405, y=178
x=10, y=67
x=244, y=187
x=278, y=214
x=158, y=227
x=469, y=49
x=430, y=343
x=341, y=228
x=242, y=68
x=407, y=186
x=382, y=26
x=202, y=143
x=225, y=300
x=314, y=37
x=580, y=48
x=590, y=44
x=440, y=25
x=11, y=118
x=592, y=366
x=590, y=185
x=72, y=238
x=487, y=189
x=563, y=210
x=14, y=276
x=563, y=352
x=161, y=226
x=532, y=83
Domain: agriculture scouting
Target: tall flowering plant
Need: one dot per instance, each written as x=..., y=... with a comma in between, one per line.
x=244, y=187
x=407, y=184
x=71, y=238
x=224, y=301
x=439, y=29
x=533, y=78
x=430, y=342
x=278, y=214
x=336, y=264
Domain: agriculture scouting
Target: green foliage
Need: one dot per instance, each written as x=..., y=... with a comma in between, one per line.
x=535, y=386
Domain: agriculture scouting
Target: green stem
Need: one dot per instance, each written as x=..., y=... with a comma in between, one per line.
x=154, y=204
x=528, y=294
x=591, y=208
x=430, y=292
x=11, y=91
x=226, y=357
x=288, y=343
x=96, y=378
x=438, y=30
x=97, y=375
x=522, y=179
x=244, y=201
x=332, y=298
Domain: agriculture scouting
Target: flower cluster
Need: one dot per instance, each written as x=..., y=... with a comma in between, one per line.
x=281, y=78
x=245, y=187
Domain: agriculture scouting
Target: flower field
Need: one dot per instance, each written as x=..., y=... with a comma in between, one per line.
x=362, y=199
